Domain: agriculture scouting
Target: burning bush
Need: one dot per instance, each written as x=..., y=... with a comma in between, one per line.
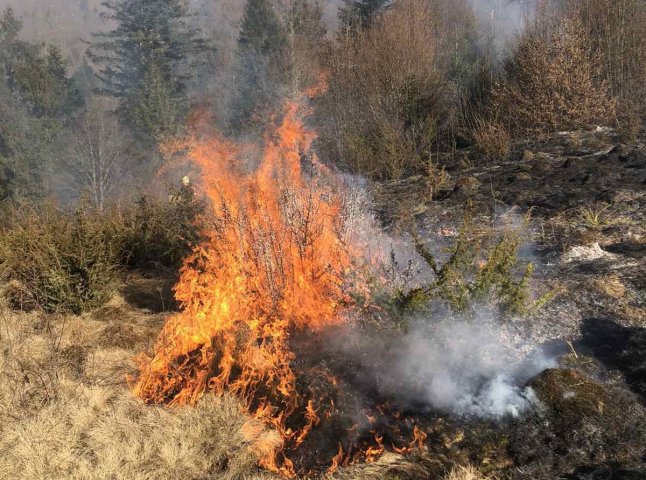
x=270, y=276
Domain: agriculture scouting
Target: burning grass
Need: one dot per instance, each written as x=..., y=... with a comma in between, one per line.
x=67, y=413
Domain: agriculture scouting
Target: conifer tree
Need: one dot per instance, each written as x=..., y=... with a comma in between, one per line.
x=306, y=43
x=146, y=62
x=261, y=73
x=36, y=101
x=360, y=13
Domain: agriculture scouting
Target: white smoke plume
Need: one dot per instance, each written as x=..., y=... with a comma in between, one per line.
x=474, y=364
x=467, y=367
x=501, y=20
x=472, y=367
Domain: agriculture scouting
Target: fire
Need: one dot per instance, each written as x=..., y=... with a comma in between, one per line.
x=273, y=266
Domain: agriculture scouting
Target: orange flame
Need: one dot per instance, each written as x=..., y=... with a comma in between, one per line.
x=273, y=263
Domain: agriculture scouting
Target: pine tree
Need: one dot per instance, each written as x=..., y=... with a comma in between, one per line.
x=149, y=53
x=306, y=43
x=39, y=80
x=260, y=75
x=36, y=101
x=360, y=13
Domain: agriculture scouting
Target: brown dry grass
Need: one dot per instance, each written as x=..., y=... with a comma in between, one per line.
x=66, y=411
x=466, y=473
x=492, y=139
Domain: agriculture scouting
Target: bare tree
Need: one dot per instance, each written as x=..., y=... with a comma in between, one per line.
x=97, y=160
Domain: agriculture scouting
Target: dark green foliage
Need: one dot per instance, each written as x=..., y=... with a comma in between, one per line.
x=40, y=80
x=21, y=172
x=306, y=45
x=260, y=74
x=360, y=13
x=62, y=262
x=36, y=101
x=146, y=62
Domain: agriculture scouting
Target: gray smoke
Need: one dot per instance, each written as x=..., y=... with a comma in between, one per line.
x=501, y=20
x=474, y=364
x=468, y=367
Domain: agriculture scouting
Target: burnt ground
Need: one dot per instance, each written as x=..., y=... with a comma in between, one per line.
x=585, y=193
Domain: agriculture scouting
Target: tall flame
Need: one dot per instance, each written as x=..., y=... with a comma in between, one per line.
x=273, y=264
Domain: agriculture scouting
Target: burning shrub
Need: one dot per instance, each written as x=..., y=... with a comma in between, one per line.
x=551, y=81
x=57, y=262
x=271, y=274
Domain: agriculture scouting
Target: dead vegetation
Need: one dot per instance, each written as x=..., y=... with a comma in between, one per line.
x=67, y=412
x=393, y=88
x=550, y=82
x=492, y=139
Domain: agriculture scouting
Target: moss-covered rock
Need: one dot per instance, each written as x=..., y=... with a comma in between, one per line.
x=570, y=394
x=581, y=423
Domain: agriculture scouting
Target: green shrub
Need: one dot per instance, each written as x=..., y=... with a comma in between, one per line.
x=57, y=261
x=479, y=268
x=159, y=235
x=62, y=262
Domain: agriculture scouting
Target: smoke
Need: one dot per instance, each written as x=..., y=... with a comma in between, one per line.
x=474, y=364
x=501, y=20
x=470, y=367
x=462, y=366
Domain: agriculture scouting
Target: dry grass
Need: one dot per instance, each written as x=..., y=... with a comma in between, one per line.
x=492, y=139
x=466, y=473
x=67, y=413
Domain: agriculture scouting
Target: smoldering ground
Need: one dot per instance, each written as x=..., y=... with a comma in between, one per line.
x=459, y=365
